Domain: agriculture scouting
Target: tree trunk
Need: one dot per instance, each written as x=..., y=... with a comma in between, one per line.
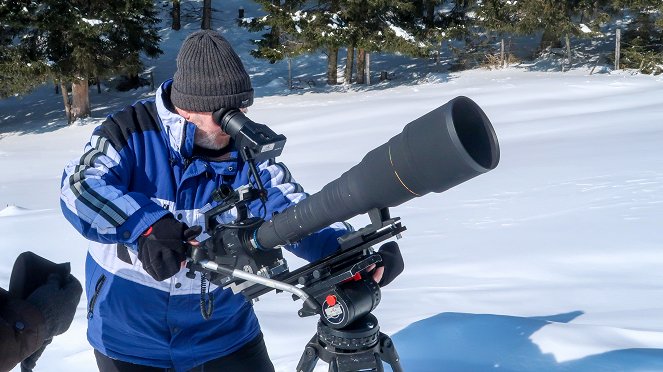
x=361, y=66
x=80, y=106
x=418, y=8
x=207, y=15
x=349, y=61
x=332, y=66
x=134, y=81
x=176, y=15
x=274, y=40
x=289, y=5
x=430, y=11
x=67, y=103
x=332, y=57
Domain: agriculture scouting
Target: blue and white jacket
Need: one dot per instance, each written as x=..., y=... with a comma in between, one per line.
x=138, y=166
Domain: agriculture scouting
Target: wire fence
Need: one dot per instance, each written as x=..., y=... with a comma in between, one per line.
x=657, y=45
x=499, y=53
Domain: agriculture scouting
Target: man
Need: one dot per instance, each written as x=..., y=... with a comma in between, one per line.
x=30, y=318
x=136, y=193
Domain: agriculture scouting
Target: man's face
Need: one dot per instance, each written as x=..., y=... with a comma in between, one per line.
x=208, y=135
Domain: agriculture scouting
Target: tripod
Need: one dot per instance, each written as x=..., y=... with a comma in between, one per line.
x=358, y=347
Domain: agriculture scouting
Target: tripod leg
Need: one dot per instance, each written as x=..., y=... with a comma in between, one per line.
x=309, y=357
x=333, y=365
x=378, y=363
x=388, y=353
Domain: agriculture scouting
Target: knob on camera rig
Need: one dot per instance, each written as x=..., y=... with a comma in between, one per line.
x=435, y=152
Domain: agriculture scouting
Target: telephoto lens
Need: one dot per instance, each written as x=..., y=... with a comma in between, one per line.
x=442, y=149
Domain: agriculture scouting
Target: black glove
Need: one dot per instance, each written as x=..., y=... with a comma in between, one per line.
x=162, y=248
x=392, y=262
x=57, y=301
x=29, y=363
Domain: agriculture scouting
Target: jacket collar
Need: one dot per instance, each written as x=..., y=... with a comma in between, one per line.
x=179, y=131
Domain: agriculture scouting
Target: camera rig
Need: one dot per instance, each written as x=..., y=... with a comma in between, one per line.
x=435, y=152
x=348, y=336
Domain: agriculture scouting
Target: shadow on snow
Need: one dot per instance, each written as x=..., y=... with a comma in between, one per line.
x=487, y=342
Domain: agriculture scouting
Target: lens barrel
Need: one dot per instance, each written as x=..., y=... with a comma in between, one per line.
x=433, y=153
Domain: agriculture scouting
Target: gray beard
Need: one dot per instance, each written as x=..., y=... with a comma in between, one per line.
x=206, y=141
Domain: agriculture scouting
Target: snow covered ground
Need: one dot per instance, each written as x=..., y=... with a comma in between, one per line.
x=550, y=262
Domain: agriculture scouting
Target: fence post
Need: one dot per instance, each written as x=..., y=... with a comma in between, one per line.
x=289, y=73
x=618, y=41
x=367, y=68
x=568, y=50
x=502, y=53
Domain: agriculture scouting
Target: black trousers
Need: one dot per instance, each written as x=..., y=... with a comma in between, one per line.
x=251, y=357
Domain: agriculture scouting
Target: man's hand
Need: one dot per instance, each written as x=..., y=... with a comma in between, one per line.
x=162, y=247
x=391, y=266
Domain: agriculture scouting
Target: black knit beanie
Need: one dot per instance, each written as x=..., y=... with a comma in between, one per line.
x=209, y=75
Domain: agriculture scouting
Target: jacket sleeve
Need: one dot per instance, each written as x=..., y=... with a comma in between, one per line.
x=282, y=192
x=22, y=330
x=95, y=194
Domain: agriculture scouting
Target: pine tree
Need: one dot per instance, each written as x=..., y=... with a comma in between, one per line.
x=385, y=26
x=642, y=37
x=81, y=40
x=368, y=26
x=557, y=19
x=457, y=21
x=297, y=27
x=281, y=24
x=292, y=31
x=498, y=16
x=20, y=71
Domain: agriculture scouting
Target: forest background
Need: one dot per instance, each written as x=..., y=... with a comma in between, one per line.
x=78, y=44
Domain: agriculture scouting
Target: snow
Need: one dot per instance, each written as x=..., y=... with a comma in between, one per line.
x=400, y=32
x=550, y=262
x=298, y=16
x=13, y=211
x=92, y=22
x=585, y=29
